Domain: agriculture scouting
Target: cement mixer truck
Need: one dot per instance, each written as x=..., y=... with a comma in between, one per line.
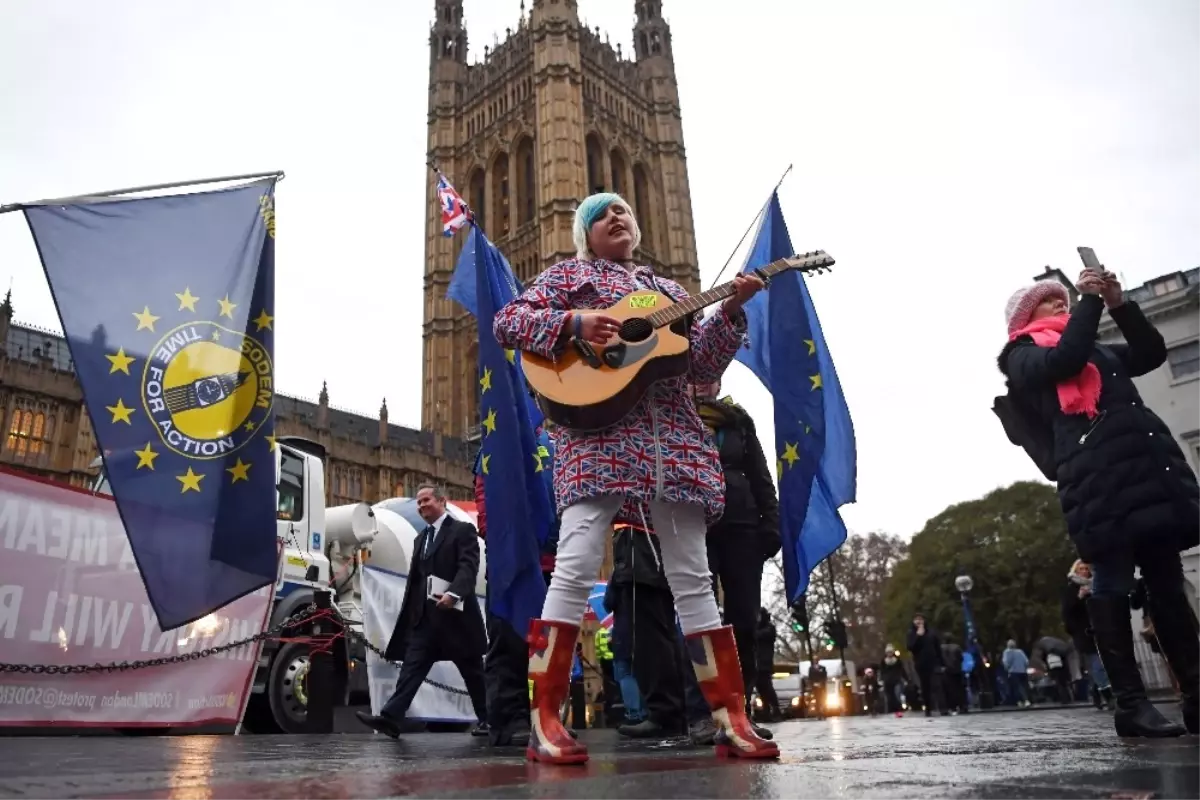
x=322, y=549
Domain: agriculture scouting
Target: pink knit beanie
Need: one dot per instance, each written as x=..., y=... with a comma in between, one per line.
x=1021, y=305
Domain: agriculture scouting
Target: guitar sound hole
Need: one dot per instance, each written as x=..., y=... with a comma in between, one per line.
x=636, y=330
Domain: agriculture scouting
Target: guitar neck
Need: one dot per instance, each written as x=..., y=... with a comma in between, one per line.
x=694, y=303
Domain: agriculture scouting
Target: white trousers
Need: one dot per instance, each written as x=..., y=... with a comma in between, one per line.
x=583, y=531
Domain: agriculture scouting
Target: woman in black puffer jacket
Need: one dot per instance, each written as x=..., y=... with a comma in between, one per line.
x=748, y=532
x=1129, y=496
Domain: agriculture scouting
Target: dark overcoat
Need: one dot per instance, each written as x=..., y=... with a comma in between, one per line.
x=453, y=556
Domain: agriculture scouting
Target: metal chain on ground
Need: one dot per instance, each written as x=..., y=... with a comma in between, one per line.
x=121, y=666
x=383, y=657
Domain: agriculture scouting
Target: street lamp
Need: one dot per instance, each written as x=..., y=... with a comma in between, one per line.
x=964, y=584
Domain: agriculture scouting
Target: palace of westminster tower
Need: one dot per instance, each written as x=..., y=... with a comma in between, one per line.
x=544, y=118
x=548, y=116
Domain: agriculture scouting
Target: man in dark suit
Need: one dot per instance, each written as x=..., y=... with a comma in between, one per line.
x=447, y=627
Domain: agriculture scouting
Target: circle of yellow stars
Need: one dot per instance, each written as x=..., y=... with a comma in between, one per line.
x=489, y=421
x=119, y=361
x=791, y=450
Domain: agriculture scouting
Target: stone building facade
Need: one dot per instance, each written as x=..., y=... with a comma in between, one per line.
x=46, y=432
x=547, y=116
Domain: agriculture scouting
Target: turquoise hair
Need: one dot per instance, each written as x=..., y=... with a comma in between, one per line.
x=590, y=210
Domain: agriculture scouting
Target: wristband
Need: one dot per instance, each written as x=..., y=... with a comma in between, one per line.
x=578, y=325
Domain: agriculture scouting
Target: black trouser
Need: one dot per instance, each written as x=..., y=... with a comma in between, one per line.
x=657, y=656
x=506, y=674
x=734, y=557
x=766, y=691
x=931, y=690
x=1062, y=684
x=423, y=652
x=956, y=691
x=890, y=700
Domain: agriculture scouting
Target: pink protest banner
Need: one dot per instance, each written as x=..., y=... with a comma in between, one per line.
x=70, y=593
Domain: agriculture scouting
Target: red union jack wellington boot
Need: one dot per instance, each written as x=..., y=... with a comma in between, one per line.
x=715, y=659
x=551, y=649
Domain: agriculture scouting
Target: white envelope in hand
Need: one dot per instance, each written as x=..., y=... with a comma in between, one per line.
x=436, y=587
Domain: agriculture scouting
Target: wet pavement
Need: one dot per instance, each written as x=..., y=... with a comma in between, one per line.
x=1069, y=753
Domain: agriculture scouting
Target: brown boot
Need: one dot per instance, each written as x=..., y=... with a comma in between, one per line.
x=715, y=658
x=551, y=650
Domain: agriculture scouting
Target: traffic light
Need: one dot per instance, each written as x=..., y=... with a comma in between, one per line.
x=835, y=635
x=800, y=615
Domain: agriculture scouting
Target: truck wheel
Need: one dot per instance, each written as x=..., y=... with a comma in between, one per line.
x=287, y=687
x=258, y=717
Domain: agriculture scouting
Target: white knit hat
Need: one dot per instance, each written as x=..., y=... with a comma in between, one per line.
x=1024, y=301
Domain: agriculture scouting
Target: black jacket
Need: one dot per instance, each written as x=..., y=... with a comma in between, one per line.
x=1075, y=618
x=926, y=649
x=637, y=558
x=952, y=656
x=764, y=643
x=750, y=499
x=453, y=556
x=1122, y=479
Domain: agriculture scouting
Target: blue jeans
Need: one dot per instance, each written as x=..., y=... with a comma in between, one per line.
x=1096, y=671
x=1160, y=566
x=1018, y=687
x=631, y=695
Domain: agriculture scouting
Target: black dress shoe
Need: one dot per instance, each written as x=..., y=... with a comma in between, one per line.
x=379, y=724
x=481, y=729
x=515, y=735
x=646, y=729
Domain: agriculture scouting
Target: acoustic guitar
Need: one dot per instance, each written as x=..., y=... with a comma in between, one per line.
x=591, y=387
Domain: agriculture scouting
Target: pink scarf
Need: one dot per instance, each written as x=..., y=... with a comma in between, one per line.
x=1078, y=395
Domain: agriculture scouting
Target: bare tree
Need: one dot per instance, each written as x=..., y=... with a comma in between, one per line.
x=860, y=567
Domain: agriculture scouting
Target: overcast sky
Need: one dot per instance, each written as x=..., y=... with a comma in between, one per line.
x=944, y=153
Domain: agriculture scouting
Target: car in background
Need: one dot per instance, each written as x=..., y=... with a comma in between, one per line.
x=786, y=680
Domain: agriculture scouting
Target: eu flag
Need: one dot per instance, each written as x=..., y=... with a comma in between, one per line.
x=167, y=305
x=814, y=436
x=520, y=512
x=463, y=289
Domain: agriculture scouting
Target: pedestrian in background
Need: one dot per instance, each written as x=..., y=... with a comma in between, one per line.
x=643, y=609
x=1075, y=619
x=1016, y=667
x=747, y=534
x=506, y=664
x=926, y=649
x=1129, y=496
x=894, y=679
x=955, y=683
x=764, y=657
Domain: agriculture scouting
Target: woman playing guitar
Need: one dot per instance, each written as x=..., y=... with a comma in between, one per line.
x=658, y=456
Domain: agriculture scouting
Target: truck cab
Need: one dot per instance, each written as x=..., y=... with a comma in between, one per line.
x=278, y=699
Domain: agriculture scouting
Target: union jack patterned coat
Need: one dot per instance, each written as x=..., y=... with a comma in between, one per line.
x=661, y=450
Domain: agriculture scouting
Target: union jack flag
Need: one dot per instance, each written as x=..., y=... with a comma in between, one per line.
x=455, y=211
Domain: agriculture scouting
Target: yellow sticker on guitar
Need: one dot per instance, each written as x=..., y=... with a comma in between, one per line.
x=643, y=301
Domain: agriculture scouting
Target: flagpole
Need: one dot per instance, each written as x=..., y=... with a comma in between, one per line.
x=753, y=222
x=136, y=189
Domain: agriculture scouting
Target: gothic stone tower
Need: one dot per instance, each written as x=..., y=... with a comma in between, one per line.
x=550, y=115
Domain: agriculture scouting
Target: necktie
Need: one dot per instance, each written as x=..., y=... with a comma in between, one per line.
x=429, y=532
